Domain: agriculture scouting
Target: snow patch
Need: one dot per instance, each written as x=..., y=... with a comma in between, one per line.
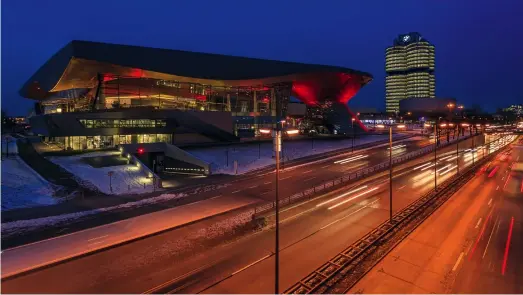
x=22, y=187
x=126, y=179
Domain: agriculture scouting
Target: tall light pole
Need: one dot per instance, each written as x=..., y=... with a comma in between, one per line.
x=435, y=155
x=352, y=145
x=390, y=173
x=277, y=208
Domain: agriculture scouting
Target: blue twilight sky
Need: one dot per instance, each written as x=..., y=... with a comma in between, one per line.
x=479, y=43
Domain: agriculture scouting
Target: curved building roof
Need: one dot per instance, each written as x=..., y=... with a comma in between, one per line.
x=77, y=65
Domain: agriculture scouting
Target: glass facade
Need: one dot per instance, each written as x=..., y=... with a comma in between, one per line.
x=125, y=92
x=116, y=123
x=410, y=66
x=108, y=141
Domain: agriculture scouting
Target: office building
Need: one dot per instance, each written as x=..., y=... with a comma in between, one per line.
x=409, y=66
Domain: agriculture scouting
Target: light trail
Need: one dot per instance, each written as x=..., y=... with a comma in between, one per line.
x=350, y=199
x=347, y=160
x=448, y=170
x=416, y=168
x=342, y=195
x=432, y=165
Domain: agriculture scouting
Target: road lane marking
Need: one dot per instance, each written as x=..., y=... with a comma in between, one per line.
x=247, y=266
x=97, y=238
x=265, y=193
x=458, y=261
x=481, y=234
x=254, y=186
x=402, y=187
x=497, y=188
x=92, y=244
x=479, y=221
x=506, y=182
x=236, y=191
x=269, y=182
x=489, y=238
x=309, y=179
x=507, y=246
x=285, y=178
x=325, y=166
x=307, y=171
x=490, y=202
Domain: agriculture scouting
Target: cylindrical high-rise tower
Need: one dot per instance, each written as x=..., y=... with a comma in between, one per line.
x=409, y=64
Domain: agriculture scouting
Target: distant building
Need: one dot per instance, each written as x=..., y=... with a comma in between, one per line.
x=427, y=105
x=515, y=108
x=409, y=65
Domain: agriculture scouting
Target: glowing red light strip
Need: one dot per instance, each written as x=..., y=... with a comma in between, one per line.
x=481, y=234
x=507, y=246
x=493, y=171
x=521, y=189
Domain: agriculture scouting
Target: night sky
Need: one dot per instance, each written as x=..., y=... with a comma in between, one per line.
x=479, y=44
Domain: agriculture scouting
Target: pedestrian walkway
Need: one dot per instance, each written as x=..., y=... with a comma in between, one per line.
x=31, y=256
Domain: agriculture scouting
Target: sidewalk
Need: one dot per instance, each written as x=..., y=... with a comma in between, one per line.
x=46, y=252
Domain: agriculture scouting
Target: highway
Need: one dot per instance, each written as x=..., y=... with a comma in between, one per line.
x=311, y=233
x=469, y=245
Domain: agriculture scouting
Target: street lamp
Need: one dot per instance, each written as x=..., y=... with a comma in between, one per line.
x=390, y=173
x=435, y=156
x=278, y=147
x=352, y=145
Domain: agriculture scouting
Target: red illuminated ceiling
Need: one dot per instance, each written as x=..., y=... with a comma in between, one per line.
x=335, y=87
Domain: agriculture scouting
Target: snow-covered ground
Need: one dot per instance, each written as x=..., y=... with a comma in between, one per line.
x=23, y=187
x=126, y=179
x=250, y=157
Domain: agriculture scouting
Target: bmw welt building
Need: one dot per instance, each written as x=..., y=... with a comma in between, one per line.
x=94, y=95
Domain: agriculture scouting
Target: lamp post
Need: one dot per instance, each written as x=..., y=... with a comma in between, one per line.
x=277, y=208
x=277, y=132
x=390, y=173
x=435, y=156
x=352, y=145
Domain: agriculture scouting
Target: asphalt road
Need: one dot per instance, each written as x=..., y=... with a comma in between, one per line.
x=310, y=233
x=299, y=178
x=469, y=245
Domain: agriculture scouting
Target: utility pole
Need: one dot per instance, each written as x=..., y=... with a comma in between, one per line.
x=277, y=208
x=472, y=151
x=435, y=156
x=457, y=155
x=390, y=172
x=352, y=145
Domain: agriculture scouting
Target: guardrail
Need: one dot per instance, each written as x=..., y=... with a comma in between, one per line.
x=325, y=278
x=336, y=182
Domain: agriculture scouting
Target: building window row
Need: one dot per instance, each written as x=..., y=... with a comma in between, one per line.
x=116, y=123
